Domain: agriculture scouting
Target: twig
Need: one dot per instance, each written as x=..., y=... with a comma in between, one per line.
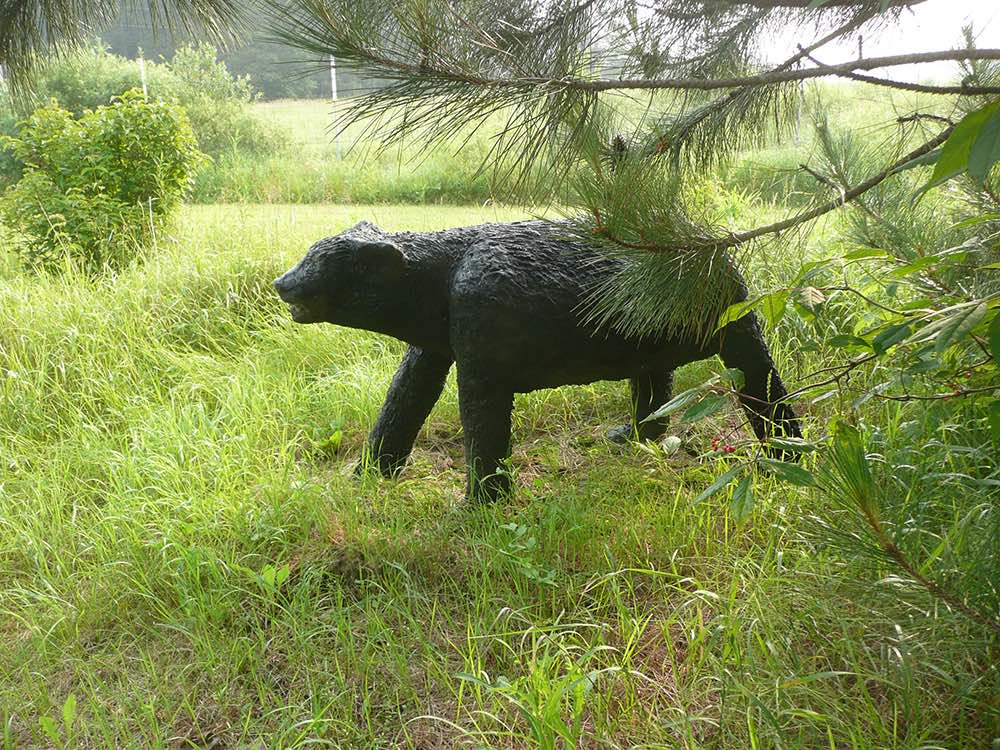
x=924, y=88
x=394, y=66
x=897, y=555
x=739, y=238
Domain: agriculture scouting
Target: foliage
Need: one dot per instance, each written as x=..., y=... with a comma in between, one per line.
x=217, y=103
x=96, y=186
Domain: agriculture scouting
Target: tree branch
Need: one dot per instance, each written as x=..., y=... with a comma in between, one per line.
x=737, y=94
x=924, y=88
x=692, y=84
x=739, y=238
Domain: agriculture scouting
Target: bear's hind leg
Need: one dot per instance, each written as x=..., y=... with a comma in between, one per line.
x=415, y=389
x=650, y=391
x=485, y=410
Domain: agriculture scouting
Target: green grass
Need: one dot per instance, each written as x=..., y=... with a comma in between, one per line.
x=317, y=168
x=184, y=550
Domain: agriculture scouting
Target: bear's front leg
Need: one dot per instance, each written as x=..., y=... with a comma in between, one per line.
x=485, y=408
x=415, y=389
x=763, y=396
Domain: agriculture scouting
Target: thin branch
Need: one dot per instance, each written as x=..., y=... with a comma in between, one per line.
x=689, y=84
x=737, y=94
x=828, y=4
x=739, y=238
x=924, y=88
x=935, y=589
x=940, y=396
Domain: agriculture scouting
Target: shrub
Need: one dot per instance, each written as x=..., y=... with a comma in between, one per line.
x=217, y=102
x=94, y=186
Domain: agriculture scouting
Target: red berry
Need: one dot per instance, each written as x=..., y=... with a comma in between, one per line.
x=729, y=448
x=715, y=444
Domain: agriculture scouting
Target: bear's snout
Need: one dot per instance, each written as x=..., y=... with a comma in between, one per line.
x=285, y=287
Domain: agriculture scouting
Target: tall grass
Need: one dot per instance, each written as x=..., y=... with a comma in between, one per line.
x=183, y=549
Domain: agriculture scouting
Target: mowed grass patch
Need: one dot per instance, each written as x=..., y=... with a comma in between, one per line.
x=184, y=549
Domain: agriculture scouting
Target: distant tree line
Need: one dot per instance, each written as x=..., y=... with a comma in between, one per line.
x=276, y=70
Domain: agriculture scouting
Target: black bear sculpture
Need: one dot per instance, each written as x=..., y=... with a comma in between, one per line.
x=503, y=302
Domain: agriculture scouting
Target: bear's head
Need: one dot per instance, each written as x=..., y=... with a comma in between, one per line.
x=343, y=278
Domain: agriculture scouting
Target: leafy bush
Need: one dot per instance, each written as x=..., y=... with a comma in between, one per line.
x=94, y=186
x=217, y=102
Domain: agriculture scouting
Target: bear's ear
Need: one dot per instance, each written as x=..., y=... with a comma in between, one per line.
x=384, y=255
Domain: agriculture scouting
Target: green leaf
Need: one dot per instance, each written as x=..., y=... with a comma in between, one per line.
x=993, y=416
x=705, y=408
x=846, y=340
x=957, y=149
x=890, y=337
x=69, y=711
x=958, y=325
x=791, y=473
x=986, y=150
x=734, y=312
x=48, y=725
x=741, y=503
x=866, y=252
x=792, y=445
x=931, y=157
x=681, y=401
x=773, y=306
x=994, y=338
x=734, y=376
x=720, y=482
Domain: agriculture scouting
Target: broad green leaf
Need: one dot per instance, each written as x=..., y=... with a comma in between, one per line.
x=51, y=729
x=921, y=161
x=741, y=503
x=720, y=482
x=705, y=408
x=793, y=445
x=986, y=150
x=890, y=337
x=975, y=221
x=734, y=312
x=958, y=325
x=772, y=307
x=994, y=419
x=866, y=252
x=734, y=376
x=69, y=711
x=994, y=338
x=844, y=340
x=791, y=473
x=956, y=150
x=681, y=401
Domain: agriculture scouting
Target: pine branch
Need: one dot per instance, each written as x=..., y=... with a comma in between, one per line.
x=963, y=89
x=804, y=4
x=541, y=84
x=732, y=100
x=854, y=193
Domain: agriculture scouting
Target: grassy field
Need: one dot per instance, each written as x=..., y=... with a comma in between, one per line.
x=326, y=169
x=187, y=561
